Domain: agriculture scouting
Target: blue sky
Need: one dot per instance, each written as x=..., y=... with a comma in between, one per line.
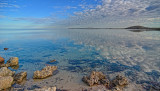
x=41, y=14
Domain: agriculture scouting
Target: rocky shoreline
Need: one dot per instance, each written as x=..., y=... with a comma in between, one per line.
x=95, y=79
x=98, y=78
x=8, y=77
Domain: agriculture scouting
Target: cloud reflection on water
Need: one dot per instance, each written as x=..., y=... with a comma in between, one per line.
x=115, y=50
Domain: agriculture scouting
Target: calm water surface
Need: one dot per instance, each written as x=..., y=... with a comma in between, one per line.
x=134, y=54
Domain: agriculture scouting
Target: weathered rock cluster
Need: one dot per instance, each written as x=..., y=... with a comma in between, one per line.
x=45, y=72
x=8, y=77
x=95, y=78
x=13, y=61
x=98, y=78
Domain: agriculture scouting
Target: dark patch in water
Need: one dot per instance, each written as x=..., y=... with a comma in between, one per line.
x=147, y=47
x=63, y=50
x=55, y=72
x=96, y=63
x=137, y=67
x=116, y=67
x=31, y=61
x=77, y=62
x=33, y=87
x=71, y=68
x=47, y=55
x=95, y=53
x=78, y=65
x=129, y=45
x=154, y=74
x=77, y=69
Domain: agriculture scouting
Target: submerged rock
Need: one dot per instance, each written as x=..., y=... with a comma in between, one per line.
x=4, y=71
x=13, y=61
x=5, y=82
x=18, y=78
x=120, y=81
x=1, y=60
x=52, y=61
x=6, y=48
x=95, y=78
x=45, y=72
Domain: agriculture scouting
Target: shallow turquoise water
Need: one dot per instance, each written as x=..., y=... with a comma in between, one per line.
x=135, y=54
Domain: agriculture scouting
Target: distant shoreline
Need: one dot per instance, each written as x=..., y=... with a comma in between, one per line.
x=96, y=28
x=132, y=27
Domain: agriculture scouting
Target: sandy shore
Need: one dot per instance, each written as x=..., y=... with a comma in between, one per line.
x=69, y=81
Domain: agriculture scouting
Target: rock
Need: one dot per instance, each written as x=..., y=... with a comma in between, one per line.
x=6, y=48
x=5, y=82
x=4, y=71
x=13, y=61
x=95, y=78
x=18, y=78
x=105, y=82
x=15, y=67
x=1, y=60
x=45, y=72
x=52, y=61
x=119, y=81
x=46, y=89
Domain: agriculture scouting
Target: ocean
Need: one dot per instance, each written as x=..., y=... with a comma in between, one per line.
x=78, y=52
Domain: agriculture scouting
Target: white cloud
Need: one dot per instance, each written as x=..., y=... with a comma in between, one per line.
x=8, y=5
x=44, y=20
x=71, y=7
x=112, y=11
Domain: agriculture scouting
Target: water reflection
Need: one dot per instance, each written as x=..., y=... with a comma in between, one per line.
x=142, y=30
x=136, y=30
x=111, y=51
x=138, y=53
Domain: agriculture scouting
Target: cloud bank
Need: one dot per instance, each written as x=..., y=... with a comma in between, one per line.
x=88, y=13
x=119, y=13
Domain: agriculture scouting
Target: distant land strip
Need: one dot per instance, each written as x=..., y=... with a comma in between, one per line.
x=132, y=27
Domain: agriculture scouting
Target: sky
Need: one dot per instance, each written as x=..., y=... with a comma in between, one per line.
x=50, y=14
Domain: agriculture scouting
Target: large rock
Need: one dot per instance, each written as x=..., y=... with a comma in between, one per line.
x=4, y=71
x=95, y=78
x=5, y=82
x=1, y=60
x=120, y=81
x=45, y=72
x=18, y=78
x=13, y=61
